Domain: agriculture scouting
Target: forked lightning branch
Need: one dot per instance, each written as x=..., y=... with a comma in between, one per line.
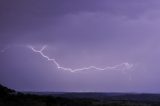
x=122, y=66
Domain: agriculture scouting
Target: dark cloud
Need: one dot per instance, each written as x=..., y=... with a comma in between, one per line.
x=22, y=19
x=80, y=33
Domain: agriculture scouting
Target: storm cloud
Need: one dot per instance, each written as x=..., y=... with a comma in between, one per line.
x=80, y=33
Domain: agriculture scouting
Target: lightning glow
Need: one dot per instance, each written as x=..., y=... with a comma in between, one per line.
x=122, y=66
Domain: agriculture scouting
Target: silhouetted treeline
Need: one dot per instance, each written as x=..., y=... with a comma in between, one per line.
x=10, y=97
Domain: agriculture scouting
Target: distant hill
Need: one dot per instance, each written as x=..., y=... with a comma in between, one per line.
x=5, y=91
x=101, y=96
x=9, y=97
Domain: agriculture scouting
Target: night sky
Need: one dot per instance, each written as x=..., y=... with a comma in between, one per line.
x=80, y=33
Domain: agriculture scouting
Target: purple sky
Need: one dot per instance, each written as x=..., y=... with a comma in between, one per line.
x=80, y=33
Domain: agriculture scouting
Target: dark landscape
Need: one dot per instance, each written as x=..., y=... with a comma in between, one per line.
x=9, y=97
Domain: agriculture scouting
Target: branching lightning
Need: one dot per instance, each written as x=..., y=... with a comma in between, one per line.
x=122, y=66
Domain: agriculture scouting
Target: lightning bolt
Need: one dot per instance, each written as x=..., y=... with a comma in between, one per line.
x=122, y=66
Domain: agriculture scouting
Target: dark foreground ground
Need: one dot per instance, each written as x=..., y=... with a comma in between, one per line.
x=12, y=98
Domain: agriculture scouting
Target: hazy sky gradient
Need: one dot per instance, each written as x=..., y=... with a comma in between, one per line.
x=80, y=33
